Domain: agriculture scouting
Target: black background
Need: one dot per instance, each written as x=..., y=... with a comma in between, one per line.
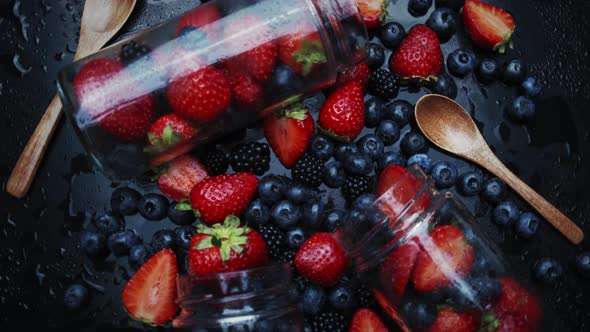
x=39, y=255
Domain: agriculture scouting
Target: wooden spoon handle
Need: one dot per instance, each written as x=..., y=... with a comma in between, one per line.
x=562, y=223
x=26, y=167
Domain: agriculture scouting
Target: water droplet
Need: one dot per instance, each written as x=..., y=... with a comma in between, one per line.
x=19, y=66
x=10, y=221
x=46, y=6
x=63, y=17
x=70, y=48
x=69, y=7
x=22, y=19
x=98, y=287
x=59, y=56
x=40, y=275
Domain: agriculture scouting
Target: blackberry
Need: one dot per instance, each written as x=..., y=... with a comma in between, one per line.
x=357, y=185
x=253, y=157
x=308, y=170
x=275, y=241
x=365, y=297
x=288, y=256
x=383, y=83
x=215, y=162
x=329, y=321
x=133, y=51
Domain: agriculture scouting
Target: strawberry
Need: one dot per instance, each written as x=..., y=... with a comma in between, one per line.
x=150, y=295
x=373, y=11
x=290, y=134
x=246, y=90
x=517, y=300
x=181, y=175
x=202, y=17
x=343, y=114
x=168, y=131
x=419, y=57
x=256, y=53
x=449, y=320
x=109, y=96
x=359, y=72
x=302, y=50
x=506, y=322
x=489, y=27
x=396, y=269
x=201, y=95
x=217, y=197
x=445, y=241
x=226, y=247
x=396, y=187
x=365, y=320
x=321, y=260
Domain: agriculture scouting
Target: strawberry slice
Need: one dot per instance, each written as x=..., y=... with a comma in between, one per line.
x=289, y=135
x=373, y=11
x=365, y=320
x=167, y=132
x=396, y=269
x=150, y=295
x=517, y=300
x=446, y=256
x=449, y=320
x=489, y=27
x=182, y=174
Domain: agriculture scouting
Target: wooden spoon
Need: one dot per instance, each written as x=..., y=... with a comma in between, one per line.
x=101, y=20
x=451, y=128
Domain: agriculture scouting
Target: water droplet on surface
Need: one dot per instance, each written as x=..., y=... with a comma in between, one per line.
x=22, y=19
x=19, y=66
x=46, y=6
x=98, y=287
x=40, y=275
x=59, y=56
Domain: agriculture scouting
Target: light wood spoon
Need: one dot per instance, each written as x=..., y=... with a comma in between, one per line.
x=101, y=20
x=451, y=128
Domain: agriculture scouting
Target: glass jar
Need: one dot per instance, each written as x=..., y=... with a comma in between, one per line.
x=251, y=300
x=429, y=266
x=213, y=70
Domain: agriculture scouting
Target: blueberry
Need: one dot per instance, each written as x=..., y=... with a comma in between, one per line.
x=514, y=72
x=312, y=214
x=341, y=297
x=390, y=158
x=75, y=297
x=109, y=223
x=295, y=238
x=422, y=160
x=125, y=200
x=322, y=147
x=344, y=150
x=470, y=183
x=452, y=4
x=444, y=174
x=183, y=236
x=93, y=243
x=487, y=71
x=445, y=85
x=388, y=132
x=373, y=112
x=371, y=145
x=284, y=82
x=153, y=206
x=547, y=270
x=522, y=109
x=413, y=142
x=180, y=216
x=285, y=215
x=531, y=87
x=314, y=299
x=138, y=255
x=257, y=213
x=334, y=176
x=494, y=190
x=392, y=34
x=120, y=242
x=418, y=313
x=527, y=225
x=418, y=8
x=461, y=62
x=375, y=55
x=164, y=238
x=334, y=219
x=297, y=193
x=363, y=202
x=443, y=22
x=482, y=266
x=358, y=164
x=399, y=111
x=271, y=189
x=583, y=264
x=505, y=214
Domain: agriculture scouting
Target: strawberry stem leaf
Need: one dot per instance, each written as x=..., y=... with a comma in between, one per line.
x=227, y=237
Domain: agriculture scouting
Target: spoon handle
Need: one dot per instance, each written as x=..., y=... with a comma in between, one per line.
x=562, y=223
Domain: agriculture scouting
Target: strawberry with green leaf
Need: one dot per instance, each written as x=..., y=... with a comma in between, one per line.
x=167, y=132
x=302, y=50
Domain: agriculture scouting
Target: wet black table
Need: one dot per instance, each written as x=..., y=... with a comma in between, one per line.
x=38, y=253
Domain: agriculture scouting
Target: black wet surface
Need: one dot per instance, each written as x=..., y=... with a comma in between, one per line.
x=39, y=255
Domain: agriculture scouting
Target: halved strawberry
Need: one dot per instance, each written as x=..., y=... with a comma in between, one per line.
x=202, y=17
x=445, y=257
x=449, y=320
x=517, y=300
x=396, y=269
x=168, y=131
x=489, y=27
x=181, y=175
x=302, y=50
x=290, y=134
x=150, y=295
x=373, y=11
x=365, y=320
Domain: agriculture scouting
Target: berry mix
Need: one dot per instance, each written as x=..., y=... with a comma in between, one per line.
x=255, y=201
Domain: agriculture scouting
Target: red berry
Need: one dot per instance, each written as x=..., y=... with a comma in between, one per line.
x=321, y=260
x=343, y=114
